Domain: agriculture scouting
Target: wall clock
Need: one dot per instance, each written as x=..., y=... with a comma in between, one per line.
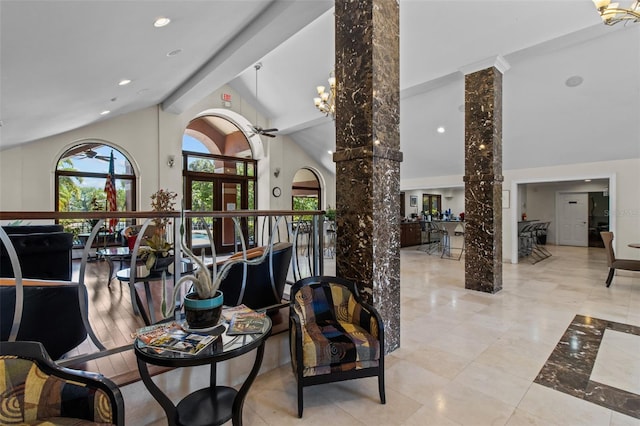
x=276, y=191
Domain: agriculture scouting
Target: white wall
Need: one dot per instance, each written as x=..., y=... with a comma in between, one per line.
x=624, y=196
x=148, y=137
x=452, y=198
x=541, y=200
x=624, y=193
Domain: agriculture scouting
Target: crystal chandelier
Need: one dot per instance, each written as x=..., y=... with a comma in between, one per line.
x=611, y=13
x=325, y=102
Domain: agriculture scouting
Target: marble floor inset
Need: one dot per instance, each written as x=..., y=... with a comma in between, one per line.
x=597, y=360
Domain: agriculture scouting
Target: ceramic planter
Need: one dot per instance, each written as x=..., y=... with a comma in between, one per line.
x=202, y=313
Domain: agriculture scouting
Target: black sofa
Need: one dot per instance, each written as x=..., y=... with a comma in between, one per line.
x=265, y=281
x=50, y=314
x=51, y=310
x=44, y=252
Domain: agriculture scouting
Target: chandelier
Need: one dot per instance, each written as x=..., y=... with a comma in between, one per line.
x=612, y=14
x=325, y=101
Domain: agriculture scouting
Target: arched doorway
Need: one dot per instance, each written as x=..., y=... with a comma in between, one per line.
x=305, y=190
x=220, y=174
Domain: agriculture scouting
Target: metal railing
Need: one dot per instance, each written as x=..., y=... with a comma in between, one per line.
x=270, y=226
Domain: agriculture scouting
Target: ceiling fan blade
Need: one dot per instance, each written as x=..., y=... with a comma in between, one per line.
x=269, y=135
x=269, y=130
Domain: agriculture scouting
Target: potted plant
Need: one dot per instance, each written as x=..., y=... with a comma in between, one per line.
x=330, y=214
x=203, y=305
x=158, y=252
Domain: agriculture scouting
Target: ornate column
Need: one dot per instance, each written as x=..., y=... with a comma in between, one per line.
x=483, y=175
x=367, y=154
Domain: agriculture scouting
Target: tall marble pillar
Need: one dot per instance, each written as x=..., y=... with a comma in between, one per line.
x=483, y=177
x=368, y=154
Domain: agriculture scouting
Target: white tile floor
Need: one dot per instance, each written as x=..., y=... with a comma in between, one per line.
x=469, y=358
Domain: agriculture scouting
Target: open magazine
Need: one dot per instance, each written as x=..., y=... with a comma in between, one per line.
x=172, y=337
x=246, y=323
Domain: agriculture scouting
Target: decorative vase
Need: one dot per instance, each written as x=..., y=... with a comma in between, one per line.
x=202, y=313
x=161, y=264
x=131, y=241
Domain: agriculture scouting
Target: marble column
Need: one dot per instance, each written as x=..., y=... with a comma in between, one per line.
x=367, y=154
x=483, y=177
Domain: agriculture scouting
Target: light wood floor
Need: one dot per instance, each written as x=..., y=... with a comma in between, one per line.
x=112, y=319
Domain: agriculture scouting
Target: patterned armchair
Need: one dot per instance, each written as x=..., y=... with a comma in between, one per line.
x=333, y=335
x=35, y=391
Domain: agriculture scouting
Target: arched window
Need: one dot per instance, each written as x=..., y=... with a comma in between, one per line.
x=305, y=190
x=81, y=175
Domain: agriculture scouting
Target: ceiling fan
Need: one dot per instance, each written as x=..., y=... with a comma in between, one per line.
x=90, y=153
x=255, y=129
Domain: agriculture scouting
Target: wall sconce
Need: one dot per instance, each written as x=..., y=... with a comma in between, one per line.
x=276, y=172
x=171, y=160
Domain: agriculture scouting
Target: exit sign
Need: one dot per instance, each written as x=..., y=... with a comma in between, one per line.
x=226, y=97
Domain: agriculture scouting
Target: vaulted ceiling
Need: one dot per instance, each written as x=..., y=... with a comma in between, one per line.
x=61, y=61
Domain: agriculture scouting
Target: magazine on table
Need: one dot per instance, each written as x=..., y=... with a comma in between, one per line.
x=229, y=311
x=172, y=337
x=246, y=323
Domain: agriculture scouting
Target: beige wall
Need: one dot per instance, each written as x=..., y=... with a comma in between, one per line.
x=148, y=137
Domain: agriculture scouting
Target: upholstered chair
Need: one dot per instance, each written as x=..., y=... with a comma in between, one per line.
x=333, y=334
x=35, y=391
x=612, y=262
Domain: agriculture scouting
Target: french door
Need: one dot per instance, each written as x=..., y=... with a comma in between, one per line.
x=217, y=193
x=219, y=183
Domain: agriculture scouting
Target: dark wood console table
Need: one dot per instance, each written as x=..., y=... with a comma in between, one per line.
x=215, y=404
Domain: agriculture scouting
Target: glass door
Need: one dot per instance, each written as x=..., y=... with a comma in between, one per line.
x=219, y=183
x=200, y=197
x=218, y=194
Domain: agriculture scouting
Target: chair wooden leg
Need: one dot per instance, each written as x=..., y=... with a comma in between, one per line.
x=610, y=277
x=383, y=399
x=299, y=399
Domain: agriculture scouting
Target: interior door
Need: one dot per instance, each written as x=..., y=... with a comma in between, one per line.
x=573, y=218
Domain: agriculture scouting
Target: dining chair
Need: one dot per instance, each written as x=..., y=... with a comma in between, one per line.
x=612, y=262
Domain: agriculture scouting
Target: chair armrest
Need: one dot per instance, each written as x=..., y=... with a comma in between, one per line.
x=295, y=339
x=84, y=395
x=369, y=319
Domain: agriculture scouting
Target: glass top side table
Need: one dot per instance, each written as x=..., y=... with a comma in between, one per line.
x=213, y=405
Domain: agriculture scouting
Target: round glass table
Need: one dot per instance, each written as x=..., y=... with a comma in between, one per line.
x=143, y=275
x=213, y=405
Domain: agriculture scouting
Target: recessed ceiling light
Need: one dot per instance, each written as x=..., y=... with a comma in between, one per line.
x=330, y=152
x=574, y=81
x=174, y=52
x=161, y=22
x=105, y=112
x=440, y=129
x=124, y=82
x=587, y=180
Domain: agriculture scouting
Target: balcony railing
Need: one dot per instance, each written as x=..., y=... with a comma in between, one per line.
x=259, y=228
